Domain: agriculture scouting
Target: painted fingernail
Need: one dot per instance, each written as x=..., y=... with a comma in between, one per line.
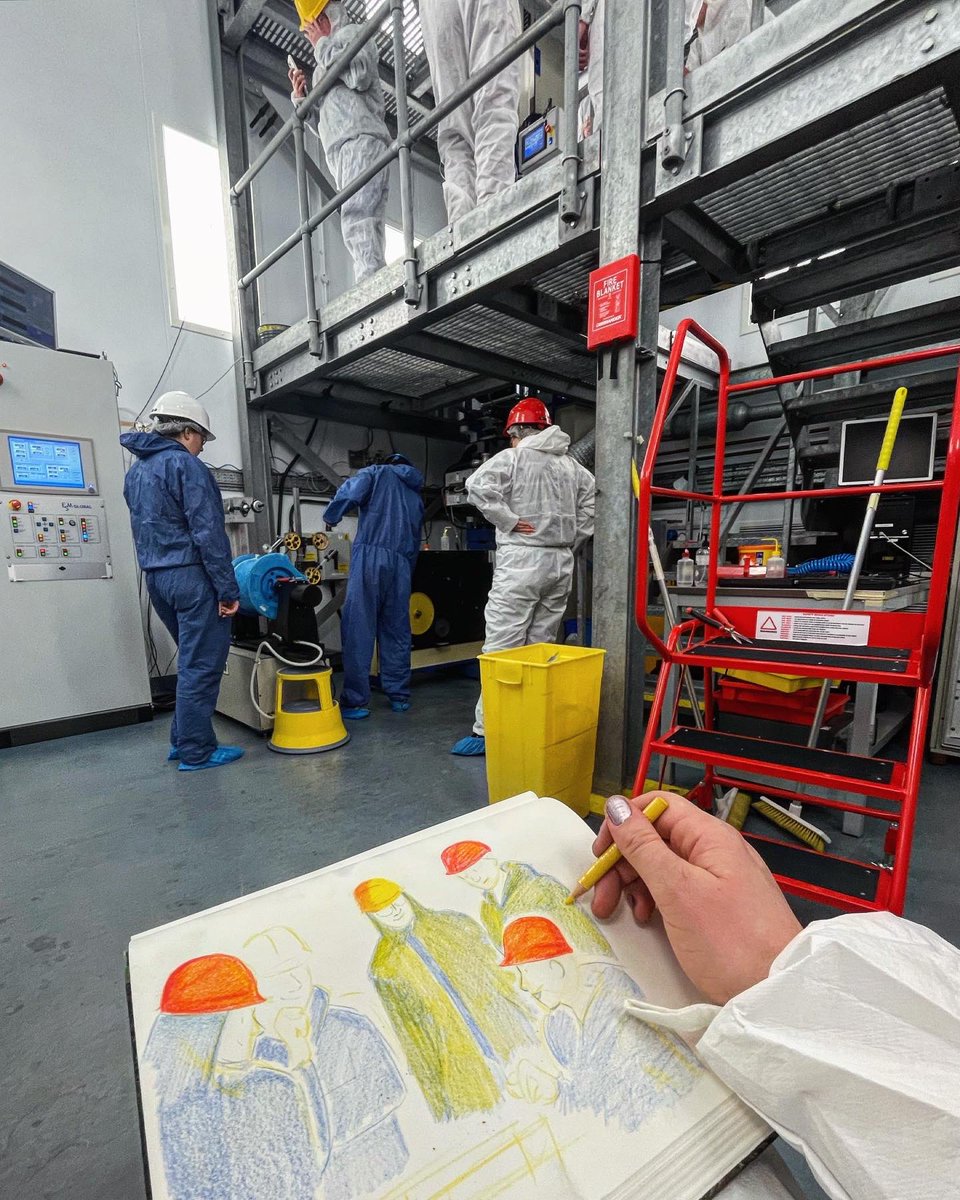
x=617, y=810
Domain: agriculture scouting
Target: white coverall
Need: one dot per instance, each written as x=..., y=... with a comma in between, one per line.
x=850, y=1050
x=724, y=23
x=540, y=483
x=592, y=14
x=353, y=134
x=478, y=139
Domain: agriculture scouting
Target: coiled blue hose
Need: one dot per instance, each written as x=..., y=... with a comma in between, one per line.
x=819, y=566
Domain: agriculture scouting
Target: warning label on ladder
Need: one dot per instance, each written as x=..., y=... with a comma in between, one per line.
x=847, y=629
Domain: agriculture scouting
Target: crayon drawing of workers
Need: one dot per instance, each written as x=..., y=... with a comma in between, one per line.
x=458, y=1017
x=598, y=1059
x=514, y=889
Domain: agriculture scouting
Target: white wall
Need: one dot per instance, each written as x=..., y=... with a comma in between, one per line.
x=82, y=87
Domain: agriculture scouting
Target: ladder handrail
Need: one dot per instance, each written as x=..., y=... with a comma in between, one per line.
x=948, y=485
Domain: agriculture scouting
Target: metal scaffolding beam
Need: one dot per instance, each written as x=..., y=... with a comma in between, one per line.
x=623, y=400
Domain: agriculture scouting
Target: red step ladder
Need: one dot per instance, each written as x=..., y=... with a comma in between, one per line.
x=901, y=649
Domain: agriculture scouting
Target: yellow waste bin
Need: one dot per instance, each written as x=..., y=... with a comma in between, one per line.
x=540, y=706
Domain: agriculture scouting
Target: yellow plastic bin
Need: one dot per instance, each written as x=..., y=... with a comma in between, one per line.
x=540, y=706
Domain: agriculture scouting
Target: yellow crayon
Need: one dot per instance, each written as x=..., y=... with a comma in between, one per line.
x=609, y=859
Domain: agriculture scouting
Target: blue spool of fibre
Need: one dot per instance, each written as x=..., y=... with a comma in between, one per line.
x=258, y=578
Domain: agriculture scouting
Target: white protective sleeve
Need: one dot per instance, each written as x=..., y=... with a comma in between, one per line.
x=850, y=1049
x=487, y=486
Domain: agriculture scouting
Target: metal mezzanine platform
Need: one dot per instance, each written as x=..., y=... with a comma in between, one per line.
x=802, y=173
x=821, y=162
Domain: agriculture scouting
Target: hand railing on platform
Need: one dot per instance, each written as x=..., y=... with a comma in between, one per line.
x=565, y=12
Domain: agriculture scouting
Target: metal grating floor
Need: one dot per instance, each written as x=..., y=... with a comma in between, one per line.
x=568, y=282
x=918, y=136
x=514, y=338
x=393, y=371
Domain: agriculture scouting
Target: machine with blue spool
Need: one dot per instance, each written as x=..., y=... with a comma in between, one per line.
x=278, y=618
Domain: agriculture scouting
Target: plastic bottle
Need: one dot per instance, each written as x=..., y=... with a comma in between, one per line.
x=702, y=562
x=445, y=542
x=776, y=567
x=685, y=570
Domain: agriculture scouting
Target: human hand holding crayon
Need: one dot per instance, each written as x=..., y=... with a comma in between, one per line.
x=723, y=912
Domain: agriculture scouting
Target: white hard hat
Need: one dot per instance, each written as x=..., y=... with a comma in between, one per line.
x=183, y=406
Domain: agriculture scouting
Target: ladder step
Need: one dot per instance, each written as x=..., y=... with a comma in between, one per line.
x=871, y=776
x=883, y=659
x=802, y=872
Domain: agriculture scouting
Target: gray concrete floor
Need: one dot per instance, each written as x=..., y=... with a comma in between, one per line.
x=100, y=839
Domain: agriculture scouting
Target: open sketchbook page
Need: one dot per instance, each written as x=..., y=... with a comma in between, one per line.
x=424, y=1020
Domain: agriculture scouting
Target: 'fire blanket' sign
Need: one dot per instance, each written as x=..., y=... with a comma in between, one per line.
x=614, y=302
x=834, y=629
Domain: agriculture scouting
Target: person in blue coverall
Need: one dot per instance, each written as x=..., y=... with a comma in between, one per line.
x=183, y=551
x=377, y=608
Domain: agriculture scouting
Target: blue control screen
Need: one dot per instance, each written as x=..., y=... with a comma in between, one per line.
x=45, y=462
x=534, y=142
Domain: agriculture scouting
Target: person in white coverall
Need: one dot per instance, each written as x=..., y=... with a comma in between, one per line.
x=591, y=59
x=844, y=1036
x=351, y=128
x=542, y=503
x=477, y=140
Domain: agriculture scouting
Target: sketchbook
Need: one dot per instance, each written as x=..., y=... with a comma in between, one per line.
x=425, y=1020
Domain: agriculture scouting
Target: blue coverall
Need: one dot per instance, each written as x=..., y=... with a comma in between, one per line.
x=377, y=608
x=183, y=551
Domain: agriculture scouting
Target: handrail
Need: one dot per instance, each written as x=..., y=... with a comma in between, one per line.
x=366, y=31
x=868, y=364
x=564, y=12
x=650, y=456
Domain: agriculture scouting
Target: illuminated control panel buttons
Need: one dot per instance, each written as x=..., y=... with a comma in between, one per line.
x=16, y=505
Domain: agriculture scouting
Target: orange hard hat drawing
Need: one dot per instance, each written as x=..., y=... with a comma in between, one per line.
x=212, y=983
x=531, y=411
x=375, y=894
x=460, y=855
x=532, y=939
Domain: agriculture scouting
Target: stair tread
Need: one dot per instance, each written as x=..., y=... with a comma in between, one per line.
x=884, y=659
x=762, y=753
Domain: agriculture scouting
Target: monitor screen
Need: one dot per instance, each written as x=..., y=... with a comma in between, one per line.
x=913, y=451
x=534, y=141
x=45, y=462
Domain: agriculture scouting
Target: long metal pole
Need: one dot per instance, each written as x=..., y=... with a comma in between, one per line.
x=571, y=201
x=411, y=284
x=883, y=462
x=421, y=129
x=301, y=110
x=673, y=146
x=314, y=343
x=624, y=400
x=245, y=314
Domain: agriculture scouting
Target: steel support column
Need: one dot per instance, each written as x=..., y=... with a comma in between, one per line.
x=624, y=398
x=232, y=139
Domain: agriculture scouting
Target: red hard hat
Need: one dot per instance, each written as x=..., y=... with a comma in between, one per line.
x=213, y=983
x=531, y=411
x=460, y=855
x=532, y=939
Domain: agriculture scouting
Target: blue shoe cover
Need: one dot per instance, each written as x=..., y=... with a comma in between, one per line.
x=400, y=705
x=219, y=758
x=354, y=714
x=470, y=747
x=174, y=754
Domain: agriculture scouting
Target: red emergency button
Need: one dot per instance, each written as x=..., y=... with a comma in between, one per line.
x=15, y=505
